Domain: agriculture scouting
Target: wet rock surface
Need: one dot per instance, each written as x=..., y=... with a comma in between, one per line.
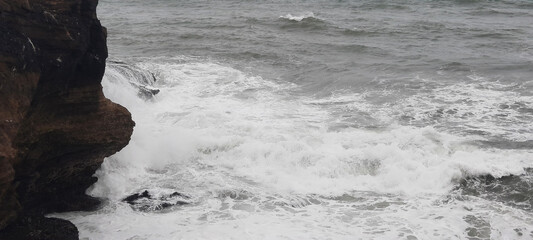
x=56, y=126
x=147, y=201
x=139, y=78
x=38, y=228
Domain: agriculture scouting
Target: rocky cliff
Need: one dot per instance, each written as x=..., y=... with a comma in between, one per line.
x=55, y=124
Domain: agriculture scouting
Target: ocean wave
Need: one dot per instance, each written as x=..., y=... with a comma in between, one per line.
x=310, y=22
x=139, y=78
x=493, y=110
x=300, y=17
x=271, y=155
x=279, y=139
x=357, y=32
x=489, y=107
x=513, y=190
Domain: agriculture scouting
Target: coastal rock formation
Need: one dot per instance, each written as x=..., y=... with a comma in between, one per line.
x=56, y=126
x=147, y=201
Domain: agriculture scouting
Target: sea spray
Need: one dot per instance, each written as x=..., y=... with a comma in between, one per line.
x=199, y=136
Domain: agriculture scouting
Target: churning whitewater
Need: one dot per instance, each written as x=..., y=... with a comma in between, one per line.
x=259, y=162
x=318, y=120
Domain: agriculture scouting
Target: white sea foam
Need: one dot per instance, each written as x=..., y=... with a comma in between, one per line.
x=299, y=17
x=260, y=163
x=479, y=105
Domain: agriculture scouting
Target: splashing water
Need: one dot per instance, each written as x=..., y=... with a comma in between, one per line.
x=261, y=162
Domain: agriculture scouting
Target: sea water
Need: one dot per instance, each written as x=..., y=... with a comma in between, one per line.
x=319, y=120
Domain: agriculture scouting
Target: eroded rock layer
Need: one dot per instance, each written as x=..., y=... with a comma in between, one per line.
x=56, y=126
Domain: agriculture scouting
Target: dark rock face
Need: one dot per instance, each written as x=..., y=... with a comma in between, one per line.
x=56, y=126
x=38, y=227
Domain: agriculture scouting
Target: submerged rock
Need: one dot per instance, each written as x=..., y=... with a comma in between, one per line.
x=56, y=126
x=132, y=198
x=150, y=202
x=147, y=92
x=140, y=78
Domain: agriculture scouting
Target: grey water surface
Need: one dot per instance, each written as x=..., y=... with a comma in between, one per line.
x=323, y=119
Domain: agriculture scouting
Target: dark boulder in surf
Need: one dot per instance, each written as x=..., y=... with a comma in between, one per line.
x=147, y=202
x=139, y=78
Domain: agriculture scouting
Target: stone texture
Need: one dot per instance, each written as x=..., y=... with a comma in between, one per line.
x=55, y=124
x=39, y=228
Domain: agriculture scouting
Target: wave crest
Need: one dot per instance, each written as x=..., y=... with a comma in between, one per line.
x=300, y=17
